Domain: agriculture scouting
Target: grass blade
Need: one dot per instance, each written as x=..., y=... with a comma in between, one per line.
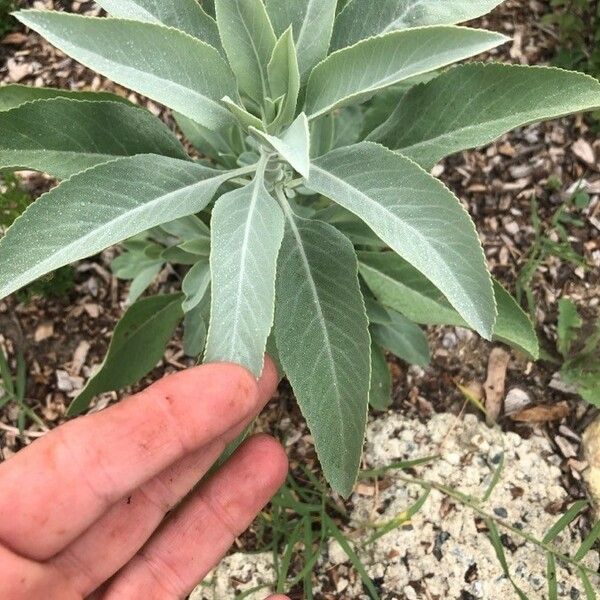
x=495, y=479
x=589, y=541
x=360, y=568
x=590, y=594
x=564, y=521
x=400, y=519
x=496, y=542
x=551, y=577
x=402, y=465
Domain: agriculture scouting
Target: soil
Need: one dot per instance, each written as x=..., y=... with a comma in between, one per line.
x=64, y=338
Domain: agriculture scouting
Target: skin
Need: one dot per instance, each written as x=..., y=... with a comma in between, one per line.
x=108, y=506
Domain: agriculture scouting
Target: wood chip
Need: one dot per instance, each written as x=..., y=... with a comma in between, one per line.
x=584, y=151
x=79, y=358
x=542, y=413
x=44, y=331
x=15, y=39
x=494, y=385
x=16, y=71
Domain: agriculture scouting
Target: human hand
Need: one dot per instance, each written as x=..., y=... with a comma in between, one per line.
x=80, y=508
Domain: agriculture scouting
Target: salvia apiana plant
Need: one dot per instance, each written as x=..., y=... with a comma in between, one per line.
x=311, y=226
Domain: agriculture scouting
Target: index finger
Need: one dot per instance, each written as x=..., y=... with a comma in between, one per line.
x=68, y=478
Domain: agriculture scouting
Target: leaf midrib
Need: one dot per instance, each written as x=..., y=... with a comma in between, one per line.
x=125, y=216
x=379, y=208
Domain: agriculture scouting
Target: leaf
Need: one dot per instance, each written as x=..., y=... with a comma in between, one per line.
x=195, y=329
x=380, y=393
x=293, y=146
x=249, y=40
x=565, y=520
x=195, y=285
x=245, y=118
x=590, y=594
x=138, y=343
x=475, y=104
x=354, y=74
x=246, y=229
x=362, y=19
x=100, y=207
x=284, y=78
x=323, y=341
x=186, y=15
x=588, y=542
x=14, y=95
x=417, y=217
x=402, y=338
x=312, y=24
x=350, y=225
x=194, y=87
x=209, y=143
x=568, y=326
x=400, y=286
x=551, y=576
x=496, y=542
x=62, y=137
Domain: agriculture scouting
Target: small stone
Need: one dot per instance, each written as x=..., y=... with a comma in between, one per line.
x=449, y=340
x=337, y=555
x=501, y=512
x=516, y=400
x=583, y=150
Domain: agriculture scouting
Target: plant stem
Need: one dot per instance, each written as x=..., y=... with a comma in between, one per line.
x=474, y=505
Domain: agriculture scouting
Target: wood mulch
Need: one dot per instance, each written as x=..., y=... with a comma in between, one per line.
x=64, y=338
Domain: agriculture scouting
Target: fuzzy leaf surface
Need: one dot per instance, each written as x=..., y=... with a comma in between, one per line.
x=62, y=137
x=248, y=39
x=186, y=15
x=402, y=287
x=472, y=105
x=284, y=77
x=312, y=24
x=293, y=146
x=138, y=343
x=354, y=74
x=362, y=19
x=246, y=233
x=164, y=64
x=418, y=217
x=101, y=207
x=14, y=95
x=380, y=394
x=321, y=330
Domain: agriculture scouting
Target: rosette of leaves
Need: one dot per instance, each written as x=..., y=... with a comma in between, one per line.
x=312, y=226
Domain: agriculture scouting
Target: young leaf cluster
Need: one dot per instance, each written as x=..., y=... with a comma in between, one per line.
x=312, y=224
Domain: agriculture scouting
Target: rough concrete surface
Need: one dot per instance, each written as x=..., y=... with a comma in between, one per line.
x=443, y=552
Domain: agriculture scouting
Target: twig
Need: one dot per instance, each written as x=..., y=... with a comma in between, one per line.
x=24, y=433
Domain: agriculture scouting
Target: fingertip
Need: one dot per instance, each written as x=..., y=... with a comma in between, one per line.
x=269, y=379
x=267, y=455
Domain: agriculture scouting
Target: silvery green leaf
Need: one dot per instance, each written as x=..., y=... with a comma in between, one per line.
x=475, y=104
x=187, y=229
x=312, y=24
x=293, y=146
x=380, y=394
x=61, y=136
x=186, y=15
x=249, y=40
x=352, y=75
x=133, y=54
x=356, y=230
x=70, y=222
x=419, y=218
x=142, y=281
x=14, y=95
x=362, y=19
x=207, y=142
x=400, y=286
x=323, y=341
x=322, y=135
x=194, y=332
x=138, y=343
x=247, y=229
x=400, y=336
x=244, y=118
x=195, y=285
x=284, y=79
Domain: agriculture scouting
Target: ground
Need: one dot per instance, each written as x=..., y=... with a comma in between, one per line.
x=64, y=338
